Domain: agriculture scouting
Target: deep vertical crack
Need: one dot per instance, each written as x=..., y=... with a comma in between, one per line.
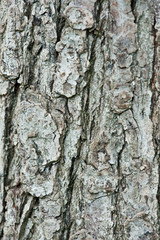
x=90, y=73
x=133, y=5
x=29, y=212
x=65, y=212
x=117, y=229
x=10, y=107
x=60, y=20
x=66, y=217
x=10, y=103
x=154, y=109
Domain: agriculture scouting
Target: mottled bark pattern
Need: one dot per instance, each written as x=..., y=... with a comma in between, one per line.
x=79, y=119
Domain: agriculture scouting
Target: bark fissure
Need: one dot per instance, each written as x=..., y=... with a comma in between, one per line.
x=65, y=224
x=9, y=148
x=10, y=107
x=60, y=21
x=118, y=225
x=154, y=109
x=133, y=6
x=28, y=214
x=90, y=71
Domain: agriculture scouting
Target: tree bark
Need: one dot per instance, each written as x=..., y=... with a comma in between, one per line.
x=79, y=119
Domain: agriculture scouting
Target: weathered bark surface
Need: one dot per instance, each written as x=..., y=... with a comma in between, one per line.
x=79, y=119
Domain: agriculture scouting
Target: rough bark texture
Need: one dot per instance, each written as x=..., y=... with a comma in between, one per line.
x=79, y=119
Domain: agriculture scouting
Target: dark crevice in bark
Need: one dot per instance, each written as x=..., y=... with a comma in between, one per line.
x=37, y=21
x=119, y=159
x=60, y=22
x=28, y=9
x=134, y=75
x=32, y=60
x=133, y=6
x=154, y=109
x=92, y=127
x=32, y=56
x=66, y=218
x=29, y=69
x=66, y=215
x=11, y=102
x=154, y=65
x=31, y=72
x=90, y=73
x=35, y=202
x=64, y=223
x=10, y=107
x=24, y=201
x=118, y=230
x=89, y=76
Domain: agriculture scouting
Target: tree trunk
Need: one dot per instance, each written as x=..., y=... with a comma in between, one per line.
x=79, y=119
